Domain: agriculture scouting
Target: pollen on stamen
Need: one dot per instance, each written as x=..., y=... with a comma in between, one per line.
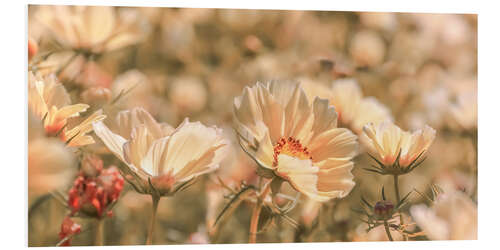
x=291, y=147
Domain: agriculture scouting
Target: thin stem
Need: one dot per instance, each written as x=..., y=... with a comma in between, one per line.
x=99, y=234
x=386, y=226
x=398, y=198
x=254, y=221
x=156, y=199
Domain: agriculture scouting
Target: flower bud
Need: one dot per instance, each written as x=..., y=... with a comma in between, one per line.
x=383, y=210
x=96, y=96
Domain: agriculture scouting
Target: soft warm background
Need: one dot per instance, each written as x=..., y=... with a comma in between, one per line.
x=193, y=62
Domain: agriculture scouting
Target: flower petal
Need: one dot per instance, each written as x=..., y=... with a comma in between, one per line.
x=301, y=174
x=129, y=119
x=334, y=143
x=112, y=141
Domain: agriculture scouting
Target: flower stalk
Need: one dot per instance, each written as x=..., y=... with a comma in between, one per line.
x=254, y=221
x=99, y=234
x=398, y=199
x=386, y=226
x=156, y=200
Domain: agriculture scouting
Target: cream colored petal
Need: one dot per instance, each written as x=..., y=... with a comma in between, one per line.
x=298, y=116
x=273, y=114
x=247, y=111
x=336, y=182
x=346, y=97
x=70, y=111
x=265, y=151
x=81, y=141
x=372, y=142
x=189, y=142
x=129, y=119
x=301, y=174
x=207, y=163
x=35, y=102
x=54, y=92
x=155, y=157
x=138, y=146
x=166, y=129
x=112, y=141
x=325, y=117
x=281, y=90
x=334, y=143
x=78, y=133
x=251, y=145
x=392, y=137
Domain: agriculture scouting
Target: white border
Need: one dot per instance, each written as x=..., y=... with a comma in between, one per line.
x=13, y=144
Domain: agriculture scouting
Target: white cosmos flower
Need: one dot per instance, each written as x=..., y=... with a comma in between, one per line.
x=386, y=141
x=159, y=158
x=296, y=140
x=93, y=28
x=354, y=110
x=50, y=102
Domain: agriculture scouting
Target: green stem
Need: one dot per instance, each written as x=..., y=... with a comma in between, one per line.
x=156, y=199
x=254, y=221
x=398, y=198
x=386, y=226
x=99, y=234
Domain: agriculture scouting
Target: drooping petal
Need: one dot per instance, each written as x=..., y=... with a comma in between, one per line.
x=301, y=174
x=112, y=141
x=336, y=180
x=78, y=134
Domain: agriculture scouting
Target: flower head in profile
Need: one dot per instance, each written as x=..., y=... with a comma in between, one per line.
x=397, y=151
x=49, y=101
x=295, y=140
x=94, y=29
x=354, y=110
x=159, y=159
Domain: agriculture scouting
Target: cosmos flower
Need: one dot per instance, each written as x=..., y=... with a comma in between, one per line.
x=397, y=151
x=354, y=110
x=453, y=216
x=93, y=29
x=158, y=159
x=295, y=140
x=49, y=101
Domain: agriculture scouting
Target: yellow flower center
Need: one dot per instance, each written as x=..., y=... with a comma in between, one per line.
x=290, y=147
